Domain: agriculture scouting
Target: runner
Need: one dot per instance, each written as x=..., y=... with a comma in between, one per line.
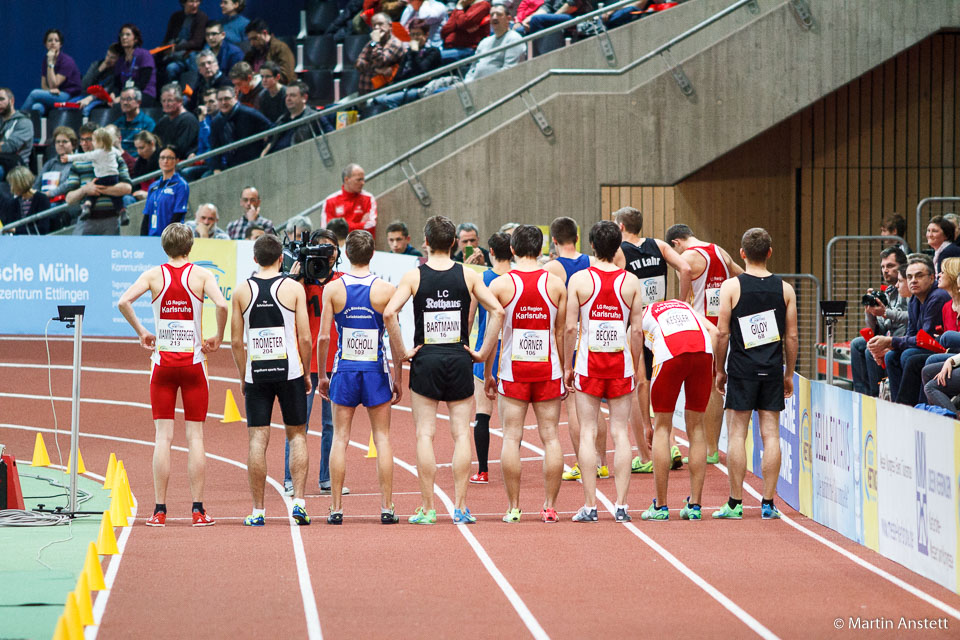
x=605, y=300
x=360, y=371
x=440, y=367
x=178, y=360
x=530, y=367
x=270, y=335
x=758, y=319
x=682, y=343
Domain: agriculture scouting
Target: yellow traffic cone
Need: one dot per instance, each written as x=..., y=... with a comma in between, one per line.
x=372, y=448
x=107, y=541
x=72, y=614
x=93, y=570
x=111, y=469
x=125, y=485
x=84, y=601
x=40, y=457
x=80, y=467
x=230, y=411
x=119, y=508
x=61, y=631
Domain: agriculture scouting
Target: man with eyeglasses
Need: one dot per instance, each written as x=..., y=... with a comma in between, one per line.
x=235, y=122
x=133, y=120
x=210, y=78
x=227, y=53
x=178, y=126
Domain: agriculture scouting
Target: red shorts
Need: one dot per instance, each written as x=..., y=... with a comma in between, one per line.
x=194, y=389
x=603, y=387
x=539, y=391
x=694, y=371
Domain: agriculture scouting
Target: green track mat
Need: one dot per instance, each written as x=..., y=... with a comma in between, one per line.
x=32, y=594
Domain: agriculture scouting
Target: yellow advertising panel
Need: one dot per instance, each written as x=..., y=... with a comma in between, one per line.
x=869, y=458
x=220, y=258
x=806, y=446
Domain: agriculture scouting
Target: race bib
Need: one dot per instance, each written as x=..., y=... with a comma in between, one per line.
x=713, y=302
x=266, y=343
x=175, y=336
x=606, y=336
x=359, y=344
x=759, y=329
x=653, y=289
x=530, y=345
x=675, y=320
x=441, y=327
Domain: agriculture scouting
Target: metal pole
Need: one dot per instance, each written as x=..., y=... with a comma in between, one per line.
x=75, y=416
x=830, y=323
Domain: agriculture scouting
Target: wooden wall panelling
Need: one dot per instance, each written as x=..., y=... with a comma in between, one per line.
x=936, y=109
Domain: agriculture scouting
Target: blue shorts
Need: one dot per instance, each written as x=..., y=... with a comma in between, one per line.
x=478, y=366
x=369, y=388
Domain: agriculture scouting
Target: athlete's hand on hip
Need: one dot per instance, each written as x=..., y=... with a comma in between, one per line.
x=490, y=387
x=474, y=354
x=307, y=384
x=721, y=383
x=788, y=385
x=148, y=341
x=408, y=356
x=210, y=345
x=397, y=392
x=323, y=387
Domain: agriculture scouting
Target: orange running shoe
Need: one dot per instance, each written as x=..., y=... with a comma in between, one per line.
x=480, y=477
x=159, y=519
x=549, y=515
x=201, y=519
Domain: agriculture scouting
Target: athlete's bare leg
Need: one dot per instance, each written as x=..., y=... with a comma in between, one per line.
x=662, y=425
x=380, y=426
x=623, y=452
x=259, y=438
x=196, y=459
x=713, y=421
x=485, y=406
x=299, y=460
x=512, y=414
x=425, y=417
x=588, y=409
x=342, y=422
x=548, y=414
x=640, y=422
x=460, y=413
x=161, y=459
x=770, y=432
x=573, y=425
x=737, y=451
x=697, y=463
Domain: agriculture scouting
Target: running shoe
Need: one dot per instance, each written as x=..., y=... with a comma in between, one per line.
x=677, y=458
x=389, y=517
x=201, y=519
x=603, y=471
x=159, y=519
x=573, y=474
x=622, y=515
x=688, y=512
x=463, y=517
x=299, y=515
x=637, y=466
x=327, y=490
x=586, y=514
x=726, y=513
x=654, y=512
x=254, y=521
x=423, y=517
x=711, y=459
x=335, y=517
x=549, y=515
x=769, y=512
x=480, y=477
x=287, y=488
x=513, y=515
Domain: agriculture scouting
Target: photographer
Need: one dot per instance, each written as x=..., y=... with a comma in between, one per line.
x=886, y=316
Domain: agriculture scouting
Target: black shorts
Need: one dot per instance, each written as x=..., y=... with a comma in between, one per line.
x=291, y=394
x=754, y=394
x=442, y=374
x=648, y=362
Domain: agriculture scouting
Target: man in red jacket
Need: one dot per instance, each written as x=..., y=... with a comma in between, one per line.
x=352, y=203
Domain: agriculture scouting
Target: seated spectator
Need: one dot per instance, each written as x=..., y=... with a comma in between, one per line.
x=247, y=83
x=469, y=250
x=895, y=225
x=211, y=77
x=351, y=202
x=297, y=95
x=101, y=74
x=228, y=54
x=104, y=217
x=59, y=78
x=16, y=134
x=235, y=122
x=950, y=339
x=433, y=13
x=185, y=31
x=940, y=236
x=253, y=232
x=54, y=173
x=418, y=59
x=398, y=237
x=272, y=100
x=941, y=383
x=178, y=126
x=883, y=320
x=147, y=161
x=207, y=111
x=168, y=199
x=361, y=20
x=133, y=120
x=502, y=35
x=296, y=227
x=378, y=63
x=204, y=223
x=265, y=46
x=105, y=158
x=27, y=202
x=339, y=228
x=135, y=66
x=250, y=202
x=465, y=27
x=553, y=12
x=234, y=24
x=626, y=15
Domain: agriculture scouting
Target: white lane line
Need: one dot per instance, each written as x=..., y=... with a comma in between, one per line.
x=909, y=588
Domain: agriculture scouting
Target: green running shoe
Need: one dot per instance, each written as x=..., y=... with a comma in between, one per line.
x=254, y=521
x=513, y=515
x=769, y=512
x=677, y=459
x=423, y=517
x=727, y=513
x=688, y=512
x=711, y=459
x=636, y=466
x=654, y=512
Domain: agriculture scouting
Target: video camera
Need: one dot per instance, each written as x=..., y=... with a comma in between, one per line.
x=314, y=259
x=874, y=299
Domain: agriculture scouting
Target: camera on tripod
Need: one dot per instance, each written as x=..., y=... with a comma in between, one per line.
x=314, y=259
x=875, y=298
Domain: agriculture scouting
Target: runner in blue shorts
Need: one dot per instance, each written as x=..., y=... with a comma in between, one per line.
x=361, y=373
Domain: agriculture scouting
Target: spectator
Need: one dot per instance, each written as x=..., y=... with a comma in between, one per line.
x=502, y=35
x=272, y=100
x=465, y=27
x=418, y=59
x=339, y=228
x=136, y=65
x=204, y=224
x=940, y=391
x=100, y=73
x=940, y=235
x=178, y=126
x=895, y=225
x=883, y=320
x=235, y=122
x=626, y=15
x=103, y=219
x=168, y=198
x=926, y=313
x=553, y=12
x=27, y=202
x=378, y=63
x=433, y=13
x=398, y=237
x=297, y=95
x=468, y=244
x=345, y=23
x=105, y=158
x=54, y=173
x=115, y=132
x=16, y=134
x=228, y=54
x=508, y=227
x=147, y=161
x=211, y=77
x=133, y=120
x=250, y=201
x=185, y=31
x=247, y=83
x=234, y=24
x=253, y=232
x=208, y=110
x=356, y=206
x=264, y=46
x=59, y=77
x=296, y=227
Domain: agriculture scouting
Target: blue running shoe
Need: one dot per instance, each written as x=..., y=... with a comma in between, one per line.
x=769, y=512
x=299, y=515
x=254, y=521
x=656, y=513
x=463, y=517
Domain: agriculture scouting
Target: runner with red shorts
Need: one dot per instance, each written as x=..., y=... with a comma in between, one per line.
x=178, y=360
x=682, y=342
x=606, y=301
x=530, y=368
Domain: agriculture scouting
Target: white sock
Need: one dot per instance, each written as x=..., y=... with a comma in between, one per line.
x=620, y=506
x=300, y=502
x=259, y=512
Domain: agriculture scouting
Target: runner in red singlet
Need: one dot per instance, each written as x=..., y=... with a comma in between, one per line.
x=178, y=358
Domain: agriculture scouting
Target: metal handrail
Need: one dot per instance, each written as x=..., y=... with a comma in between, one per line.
x=816, y=284
x=829, y=253
x=920, y=206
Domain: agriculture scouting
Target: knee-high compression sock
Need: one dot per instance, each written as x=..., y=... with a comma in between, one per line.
x=481, y=438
